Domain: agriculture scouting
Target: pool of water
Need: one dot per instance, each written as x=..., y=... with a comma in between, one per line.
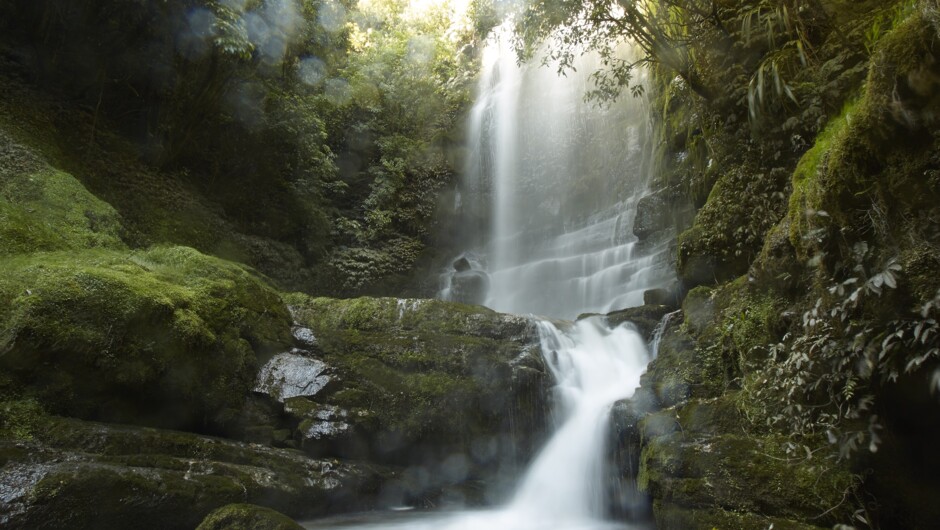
x=497, y=519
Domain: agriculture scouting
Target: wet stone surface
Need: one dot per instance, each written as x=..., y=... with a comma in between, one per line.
x=291, y=374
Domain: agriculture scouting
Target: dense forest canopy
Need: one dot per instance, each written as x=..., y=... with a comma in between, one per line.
x=328, y=126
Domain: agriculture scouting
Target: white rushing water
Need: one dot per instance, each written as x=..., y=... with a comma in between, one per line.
x=563, y=488
x=558, y=179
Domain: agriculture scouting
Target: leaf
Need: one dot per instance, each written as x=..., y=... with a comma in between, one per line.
x=760, y=84
x=889, y=279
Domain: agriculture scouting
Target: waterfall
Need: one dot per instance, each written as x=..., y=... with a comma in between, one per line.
x=658, y=332
x=550, y=189
x=594, y=366
x=549, y=195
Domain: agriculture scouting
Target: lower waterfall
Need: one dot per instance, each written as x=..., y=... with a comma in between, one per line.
x=563, y=489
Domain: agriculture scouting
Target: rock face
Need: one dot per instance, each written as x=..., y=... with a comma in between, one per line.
x=746, y=417
x=469, y=286
x=644, y=318
x=694, y=456
x=67, y=473
x=661, y=214
x=454, y=393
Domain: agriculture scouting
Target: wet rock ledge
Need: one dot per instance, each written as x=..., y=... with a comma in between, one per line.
x=357, y=404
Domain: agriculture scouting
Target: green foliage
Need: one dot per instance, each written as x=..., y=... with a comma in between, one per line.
x=313, y=129
x=885, y=21
x=869, y=322
x=782, y=27
x=827, y=373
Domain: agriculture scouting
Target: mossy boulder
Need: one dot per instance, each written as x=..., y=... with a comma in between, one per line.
x=165, y=337
x=247, y=517
x=456, y=391
x=69, y=473
x=741, y=473
x=396, y=314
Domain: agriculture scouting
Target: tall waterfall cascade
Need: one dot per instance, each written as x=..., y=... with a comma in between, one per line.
x=550, y=190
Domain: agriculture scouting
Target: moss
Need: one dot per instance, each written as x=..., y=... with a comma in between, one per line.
x=674, y=517
x=744, y=474
x=20, y=418
x=418, y=385
x=698, y=309
x=83, y=495
x=747, y=322
x=777, y=269
x=805, y=205
x=682, y=370
x=247, y=517
x=166, y=336
x=728, y=231
x=62, y=216
x=75, y=156
x=422, y=378
x=44, y=209
x=391, y=314
x=713, y=416
x=865, y=171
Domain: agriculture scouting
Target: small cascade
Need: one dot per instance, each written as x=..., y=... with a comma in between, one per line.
x=564, y=488
x=594, y=366
x=658, y=332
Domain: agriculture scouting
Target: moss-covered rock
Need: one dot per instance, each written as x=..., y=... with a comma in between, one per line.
x=455, y=390
x=76, y=474
x=247, y=517
x=396, y=314
x=43, y=209
x=166, y=337
x=672, y=517
x=742, y=473
x=874, y=167
x=728, y=232
x=680, y=371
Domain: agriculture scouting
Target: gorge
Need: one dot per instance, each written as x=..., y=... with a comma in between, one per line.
x=270, y=261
